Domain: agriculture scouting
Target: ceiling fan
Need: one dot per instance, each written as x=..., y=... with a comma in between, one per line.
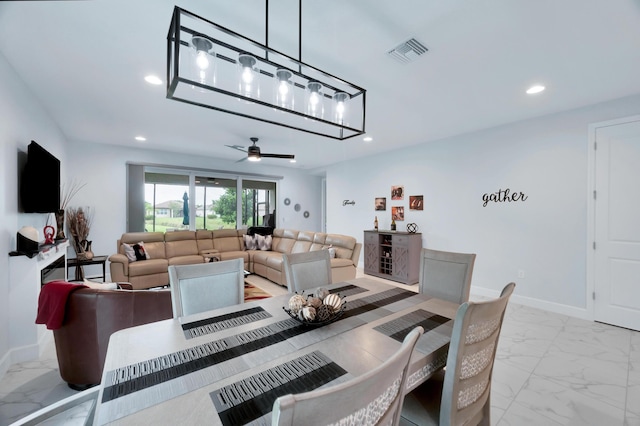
x=254, y=154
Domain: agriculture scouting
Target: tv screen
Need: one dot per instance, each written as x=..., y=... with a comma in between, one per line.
x=40, y=183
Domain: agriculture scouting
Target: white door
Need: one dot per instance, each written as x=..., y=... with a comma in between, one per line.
x=617, y=225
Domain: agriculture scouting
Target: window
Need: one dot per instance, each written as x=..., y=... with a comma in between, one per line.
x=258, y=203
x=164, y=202
x=175, y=200
x=216, y=206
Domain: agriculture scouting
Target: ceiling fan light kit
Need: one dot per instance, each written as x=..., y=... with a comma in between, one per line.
x=254, y=154
x=213, y=67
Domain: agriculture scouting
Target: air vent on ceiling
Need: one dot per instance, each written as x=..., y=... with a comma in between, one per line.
x=408, y=51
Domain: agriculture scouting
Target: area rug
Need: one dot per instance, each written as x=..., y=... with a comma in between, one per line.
x=252, y=292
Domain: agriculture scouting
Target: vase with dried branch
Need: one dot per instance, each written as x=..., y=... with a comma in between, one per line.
x=66, y=194
x=79, y=222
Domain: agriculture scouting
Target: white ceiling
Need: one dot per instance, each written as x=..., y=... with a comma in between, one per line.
x=86, y=60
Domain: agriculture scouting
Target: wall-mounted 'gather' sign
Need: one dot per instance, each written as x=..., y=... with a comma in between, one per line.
x=503, y=195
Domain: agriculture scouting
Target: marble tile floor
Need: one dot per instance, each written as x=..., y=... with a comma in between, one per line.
x=550, y=369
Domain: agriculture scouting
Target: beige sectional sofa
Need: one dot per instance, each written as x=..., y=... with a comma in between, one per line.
x=188, y=247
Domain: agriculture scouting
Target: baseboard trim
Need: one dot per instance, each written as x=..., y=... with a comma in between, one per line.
x=557, y=308
x=24, y=353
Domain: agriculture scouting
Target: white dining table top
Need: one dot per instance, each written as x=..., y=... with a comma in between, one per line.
x=226, y=366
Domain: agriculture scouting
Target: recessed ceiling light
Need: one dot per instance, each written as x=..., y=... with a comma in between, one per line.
x=293, y=160
x=535, y=89
x=141, y=138
x=152, y=79
x=367, y=139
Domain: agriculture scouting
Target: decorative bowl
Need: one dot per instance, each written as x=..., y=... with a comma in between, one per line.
x=329, y=315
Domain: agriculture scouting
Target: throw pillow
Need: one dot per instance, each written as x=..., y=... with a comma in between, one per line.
x=100, y=286
x=264, y=241
x=332, y=251
x=135, y=252
x=250, y=243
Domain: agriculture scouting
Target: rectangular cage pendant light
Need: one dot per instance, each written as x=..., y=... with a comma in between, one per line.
x=213, y=67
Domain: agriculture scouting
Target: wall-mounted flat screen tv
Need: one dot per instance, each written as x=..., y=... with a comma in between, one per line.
x=40, y=181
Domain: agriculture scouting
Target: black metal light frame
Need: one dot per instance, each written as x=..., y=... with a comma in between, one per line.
x=222, y=96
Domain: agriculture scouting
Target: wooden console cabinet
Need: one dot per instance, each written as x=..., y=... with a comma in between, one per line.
x=393, y=255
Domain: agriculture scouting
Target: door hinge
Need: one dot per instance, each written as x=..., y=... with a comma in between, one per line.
x=594, y=245
x=593, y=295
x=595, y=146
x=594, y=194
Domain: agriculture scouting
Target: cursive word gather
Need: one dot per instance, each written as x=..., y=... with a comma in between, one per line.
x=347, y=202
x=502, y=196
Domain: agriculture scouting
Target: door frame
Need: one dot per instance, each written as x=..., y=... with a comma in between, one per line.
x=591, y=206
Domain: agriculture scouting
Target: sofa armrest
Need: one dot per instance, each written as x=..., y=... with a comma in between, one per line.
x=119, y=267
x=355, y=256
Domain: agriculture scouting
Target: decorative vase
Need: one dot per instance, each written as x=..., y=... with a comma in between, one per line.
x=85, y=252
x=60, y=225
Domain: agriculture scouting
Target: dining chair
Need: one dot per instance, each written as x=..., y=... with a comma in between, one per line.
x=206, y=286
x=307, y=270
x=446, y=275
x=372, y=398
x=460, y=394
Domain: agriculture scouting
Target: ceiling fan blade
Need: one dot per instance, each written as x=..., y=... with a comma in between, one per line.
x=238, y=147
x=289, y=156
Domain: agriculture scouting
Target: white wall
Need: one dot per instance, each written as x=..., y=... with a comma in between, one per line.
x=22, y=120
x=544, y=236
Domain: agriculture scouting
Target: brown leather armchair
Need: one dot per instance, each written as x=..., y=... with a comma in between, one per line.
x=91, y=316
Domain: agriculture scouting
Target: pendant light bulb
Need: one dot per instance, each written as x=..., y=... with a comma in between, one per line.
x=315, y=105
x=340, y=100
x=248, y=76
x=284, y=88
x=203, y=60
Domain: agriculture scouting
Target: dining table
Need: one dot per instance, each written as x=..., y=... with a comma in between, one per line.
x=227, y=366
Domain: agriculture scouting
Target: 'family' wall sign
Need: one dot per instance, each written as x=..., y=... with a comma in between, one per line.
x=348, y=203
x=503, y=195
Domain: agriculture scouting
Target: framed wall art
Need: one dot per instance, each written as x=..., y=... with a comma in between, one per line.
x=397, y=213
x=381, y=203
x=397, y=192
x=415, y=202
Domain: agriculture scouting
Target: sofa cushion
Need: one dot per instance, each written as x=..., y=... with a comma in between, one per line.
x=204, y=240
x=186, y=260
x=341, y=263
x=283, y=240
x=270, y=259
x=240, y=254
x=226, y=240
x=343, y=244
x=151, y=266
x=180, y=243
x=300, y=247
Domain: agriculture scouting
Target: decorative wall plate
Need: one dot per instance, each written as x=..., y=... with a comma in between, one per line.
x=297, y=207
x=306, y=214
x=287, y=201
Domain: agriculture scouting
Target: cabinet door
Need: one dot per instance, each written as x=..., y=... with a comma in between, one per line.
x=371, y=257
x=400, y=254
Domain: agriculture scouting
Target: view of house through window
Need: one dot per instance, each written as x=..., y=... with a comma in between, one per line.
x=168, y=205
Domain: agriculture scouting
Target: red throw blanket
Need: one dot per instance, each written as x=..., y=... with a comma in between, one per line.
x=52, y=302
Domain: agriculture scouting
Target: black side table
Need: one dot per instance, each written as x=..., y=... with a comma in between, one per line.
x=79, y=263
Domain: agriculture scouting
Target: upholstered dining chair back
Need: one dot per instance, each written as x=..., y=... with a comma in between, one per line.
x=307, y=270
x=373, y=398
x=446, y=275
x=206, y=286
x=463, y=397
